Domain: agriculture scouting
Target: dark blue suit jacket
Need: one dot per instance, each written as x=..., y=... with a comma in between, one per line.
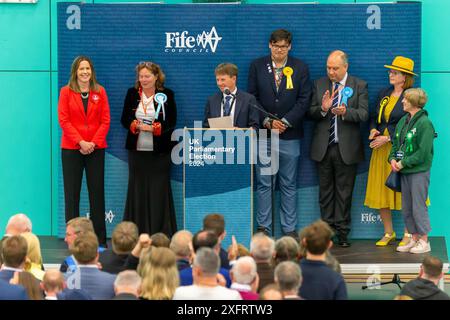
x=396, y=114
x=245, y=116
x=97, y=284
x=291, y=104
x=12, y=292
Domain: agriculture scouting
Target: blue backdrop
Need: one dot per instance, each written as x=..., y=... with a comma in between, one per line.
x=188, y=41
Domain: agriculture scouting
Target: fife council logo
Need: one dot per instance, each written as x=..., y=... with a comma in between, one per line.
x=183, y=42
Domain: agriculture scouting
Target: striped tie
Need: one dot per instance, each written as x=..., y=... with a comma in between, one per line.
x=332, y=137
x=227, y=106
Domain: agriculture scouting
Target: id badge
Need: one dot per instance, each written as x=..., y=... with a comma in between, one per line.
x=147, y=121
x=399, y=155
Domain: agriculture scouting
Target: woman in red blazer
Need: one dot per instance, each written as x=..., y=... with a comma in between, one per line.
x=83, y=114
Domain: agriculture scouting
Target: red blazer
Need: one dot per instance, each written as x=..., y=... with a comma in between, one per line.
x=76, y=125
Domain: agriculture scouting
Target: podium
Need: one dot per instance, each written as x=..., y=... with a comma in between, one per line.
x=218, y=178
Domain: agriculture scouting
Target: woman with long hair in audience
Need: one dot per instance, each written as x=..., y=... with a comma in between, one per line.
x=34, y=256
x=387, y=113
x=149, y=114
x=83, y=114
x=158, y=270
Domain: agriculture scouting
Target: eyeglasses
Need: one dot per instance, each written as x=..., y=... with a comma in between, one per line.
x=394, y=72
x=146, y=64
x=277, y=47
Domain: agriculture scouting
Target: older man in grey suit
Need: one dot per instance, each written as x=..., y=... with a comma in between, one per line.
x=339, y=105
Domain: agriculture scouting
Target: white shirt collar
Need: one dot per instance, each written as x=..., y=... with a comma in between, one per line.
x=233, y=92
x=51, y=298
x=94, y=266
x=11, y=269
x=344, y=80
x=241, y=287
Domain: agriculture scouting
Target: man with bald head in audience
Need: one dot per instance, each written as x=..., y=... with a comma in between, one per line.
x=339, y=105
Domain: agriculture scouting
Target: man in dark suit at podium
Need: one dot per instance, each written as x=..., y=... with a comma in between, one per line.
x=337, y=144
x=231, y=101
x=281, y=85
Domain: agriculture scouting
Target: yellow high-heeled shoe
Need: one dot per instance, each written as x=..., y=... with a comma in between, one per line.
x=388, y=238
x=404, y=243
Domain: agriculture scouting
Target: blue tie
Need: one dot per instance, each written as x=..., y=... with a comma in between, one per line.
x=335, y=103
x=227, y=106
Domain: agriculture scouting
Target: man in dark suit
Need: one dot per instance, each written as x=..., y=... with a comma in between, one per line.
x=281, y=85
x=237, y=103
x=127, y=285
x=337, y=144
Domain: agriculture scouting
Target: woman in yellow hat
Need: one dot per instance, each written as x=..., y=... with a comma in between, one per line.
x=388, y=112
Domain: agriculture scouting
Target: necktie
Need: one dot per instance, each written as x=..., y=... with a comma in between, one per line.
x=335, y=103
x=227, y=106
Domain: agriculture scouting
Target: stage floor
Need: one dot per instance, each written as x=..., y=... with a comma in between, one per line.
x=363, y=257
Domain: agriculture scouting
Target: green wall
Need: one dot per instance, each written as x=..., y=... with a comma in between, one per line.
x=29, y=94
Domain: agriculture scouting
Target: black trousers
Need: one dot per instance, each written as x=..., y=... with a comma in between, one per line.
x=336, y=182
x=73, y=164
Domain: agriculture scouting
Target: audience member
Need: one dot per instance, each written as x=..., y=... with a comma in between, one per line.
x=127, y=285
x=262, y=250
x=159, y=273
x=159, y=239
x=288, y=276
x=74, y=228
x=425, y=287
x=12, y=292
x=286, y=249
x=270, y=292
x=52, y=284
x=202, y=239
x=216, y=223
x=98, y=284
x=33, y=262
x=205, y=268
x=320, y=282
x=14, y=252
x=244, y=278
x=180, y=246
x=124, y=239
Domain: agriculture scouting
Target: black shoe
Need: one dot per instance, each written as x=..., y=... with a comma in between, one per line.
x=263, y=230
x=344, y=243
x=292, y=234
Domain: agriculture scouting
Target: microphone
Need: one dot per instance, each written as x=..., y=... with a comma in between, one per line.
x=228, y=92
x=270, y=115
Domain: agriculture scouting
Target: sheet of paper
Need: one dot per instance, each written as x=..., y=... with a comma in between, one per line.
x=221, y=122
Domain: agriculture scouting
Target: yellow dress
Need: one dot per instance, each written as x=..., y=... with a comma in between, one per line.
x=379, y=196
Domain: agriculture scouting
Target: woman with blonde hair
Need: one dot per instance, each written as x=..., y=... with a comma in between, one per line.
x=159, y=273
x=34, y=258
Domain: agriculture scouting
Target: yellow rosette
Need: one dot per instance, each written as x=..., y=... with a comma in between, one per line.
x=288, y=72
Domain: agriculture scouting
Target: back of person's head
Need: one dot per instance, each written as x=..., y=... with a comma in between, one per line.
x=124, y=237
x=214, y=222
x=180, y=243
x=34, y=248
x=204, y=238
x=270, y=292
x=244, y=270
x=288, y=276
x=14, y=251
x=80, y=225
x=53, y=281
x=18, y=223
x=160, y=240
x=262, y=247
x=85, y=248
x=432, y=267
x=332, y=262
x=317, y=237
x=207, y=260
x=159, y=273
x=286, y=249
x=31, y=285
x=128, y=281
